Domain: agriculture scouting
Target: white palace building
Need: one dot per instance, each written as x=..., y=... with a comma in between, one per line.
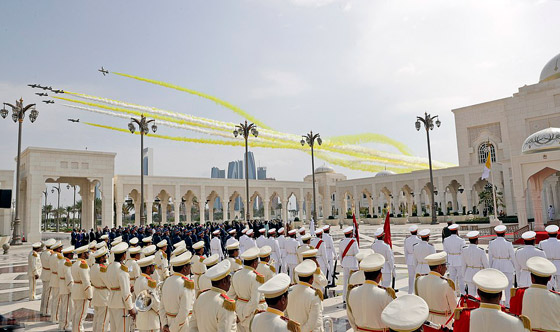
x=523, y=131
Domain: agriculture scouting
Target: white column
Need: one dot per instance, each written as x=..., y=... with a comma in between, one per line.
x=266, y=204
x=118, y=212
x=177, y=210
x=188, y=207
x=285, y=210
x=211, y=209
x=202, y=211
x=136, y=213
x=300, y=209
x=148, y=212
x=163, y=209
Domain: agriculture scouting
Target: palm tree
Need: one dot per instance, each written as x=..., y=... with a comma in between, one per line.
x=48, y=209
x=69, y=209
x=486, y=198
x=78, y=207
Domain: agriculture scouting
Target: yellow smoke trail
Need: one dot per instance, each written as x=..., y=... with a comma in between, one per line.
x=218, y=101
x=371, y=138
x=335, y=161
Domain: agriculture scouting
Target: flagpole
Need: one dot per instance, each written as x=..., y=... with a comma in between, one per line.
x=494, y=195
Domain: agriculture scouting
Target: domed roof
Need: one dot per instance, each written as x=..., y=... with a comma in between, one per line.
x=385, y=173
x=551, y=70
x=324, y=169
x=543, y=140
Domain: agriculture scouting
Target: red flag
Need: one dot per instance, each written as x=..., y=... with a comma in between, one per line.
x=356, y=233
x=387, y=230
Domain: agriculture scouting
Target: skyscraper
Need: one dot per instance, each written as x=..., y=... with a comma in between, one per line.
x=235, y=170
x=261, y=173
x=148, y=161
x=251, y=169
x=217, y=173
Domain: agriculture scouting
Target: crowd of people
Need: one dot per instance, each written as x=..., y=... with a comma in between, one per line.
x=265, y=276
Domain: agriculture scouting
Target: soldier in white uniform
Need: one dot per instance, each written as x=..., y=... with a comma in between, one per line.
x=203, y=282
x=282, y=245
x=91, y=247
x=366, y=302
x=262, y=240
x=148, y=320
x=489, y=317
x=232, y=232
x=331, y=252
x=65, y=287
x=55, y=280
x=291, y=245
x=100, y=299
x=318, y=243
x=198, y=267
x=474, y=259
x=409, y=243
x=82, y=291
x=178, y=250
x=538, y=303
x=46, y=277
x=244, y=289
x=348, y=249
x=214, y=311
x=265, y=267
x=521, y=257
x=319, y=279
x=178, y=294
x=233, y=256
x=305, y=245
x=436, y=290
x=305, y=303
x=421, y=250
x=416, y=310
x=275, y=255
x=34, y=267
x=380, y=247
x=216, y=245
x=162, y=263
x=242, y=240
x=275, y=293
x=501, y=257
x=453, y=246
x=132, y=265
x=358, y=278
x=121, y=308
x=551, y=248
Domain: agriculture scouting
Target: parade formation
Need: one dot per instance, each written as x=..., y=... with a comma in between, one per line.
x=219, y=277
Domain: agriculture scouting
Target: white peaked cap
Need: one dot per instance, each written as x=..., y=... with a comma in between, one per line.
x=100, y=252
x=500, y=229
x=134, y=250
x=146, y=261
x=104, y=237
x=490, y=280
x=276, y=286
x=453, y=227
x=232, y=246
x=551, y=229
x=37, y=245
x=216, y=232
x=472, y=234
x=306, y=237
x=198, y=245
x=182, y=259
x=68, y=250
x=119, y=248
x=413, y=228
x=378, y=232
x=147, y=239
x=373, y=262
x=92, y=244
x=405, y=313
x=101, y=245
x=436, y=259
x=149, y=250
x=162, y=243
x=49, y=243
x=305, y=268
x=250, y=254
x=265, y=251
x=529, y=235
x=179, y=250
x=180, y=244
x=212, y=260
x=348, y=230
x=541, y=266
x=81, y=249
x=363, y=254
x=219, y=271
x=134, y=240
x=424, y=233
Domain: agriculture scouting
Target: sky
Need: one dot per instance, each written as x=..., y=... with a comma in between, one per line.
x=334, y=67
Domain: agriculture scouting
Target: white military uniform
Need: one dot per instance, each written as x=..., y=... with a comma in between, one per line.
x=82, y=293
x=216, y=247
x=271, y=320
x=213, y=311
x=409, y=243
x=261, y=241
x=275, y=255
x=474, y=259
x=148, y=320
x=120, y=298
x=291, y=246
x=365, y=304
x=65, y=286
x=162, y=265
x=319, y=244
x=551, y=248
x=521, y=257
x=453, y=246
x=244, y=285
x=348, y=262
x=542, y=307
x=267, y=270
x=490, y=318
x=281, y=239
x=34, y=268
x=178, y=294
x=382, y=248
x=100, y=299
x=331, y=254
x=501, y=257
x=133, y=271
x=305, y=306
x=421, y=250
x=439, y=294
x=54, y=285
x=198, y=268
x=45, y=278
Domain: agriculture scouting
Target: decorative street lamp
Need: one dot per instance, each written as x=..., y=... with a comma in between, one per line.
x=18, y=114
x=143, y=125
x=310, y=139
x=246, y=129
x=428, y=122
x=58, y=208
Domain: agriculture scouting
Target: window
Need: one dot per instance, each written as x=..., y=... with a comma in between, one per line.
x=483, y=152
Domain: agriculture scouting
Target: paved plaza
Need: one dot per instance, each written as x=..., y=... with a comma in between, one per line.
x=14, y=284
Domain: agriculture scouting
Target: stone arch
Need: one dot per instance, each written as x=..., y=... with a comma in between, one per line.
x=192, y=206
x=537, y=189
x=214, y=202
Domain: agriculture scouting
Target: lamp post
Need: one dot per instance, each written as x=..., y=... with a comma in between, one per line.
x=58, y=207
x=45, y=192
x=428, y=122
x=18, y=114
x=68, y=186
x=142, y=124
x=310, y=139
x=246, y=129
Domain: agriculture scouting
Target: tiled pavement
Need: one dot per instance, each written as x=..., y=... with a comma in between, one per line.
x=14, y=284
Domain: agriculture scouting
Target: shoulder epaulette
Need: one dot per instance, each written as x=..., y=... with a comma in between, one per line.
x=238, y=261
x=526, y=322
x=59, y=256
x=34, y=254
x=229, y=304
x=318, y=271
x=272, y=268
x=152, y=283
x=319, y=293
x=188, y=283
x=102, y=268
x=391, y=292
x=124, y=268
x=293, y=326
x=350, y=287
x=68, y=263
x=450, y=283
x=260, y=277
x=311, y=247
x=201, y=259
x=83, y=264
